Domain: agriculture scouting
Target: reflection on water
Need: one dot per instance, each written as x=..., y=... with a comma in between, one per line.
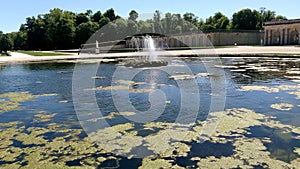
x=260, y=127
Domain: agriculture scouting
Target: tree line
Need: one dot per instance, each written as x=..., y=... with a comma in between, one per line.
x=60, y=29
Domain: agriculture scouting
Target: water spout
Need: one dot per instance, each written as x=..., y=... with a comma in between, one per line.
x=149, y=46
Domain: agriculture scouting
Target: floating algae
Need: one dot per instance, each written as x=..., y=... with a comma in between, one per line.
x=112, y=115
x=120, y=141
x=259, y=88
x=282, y=106
x=149, y=163
x=34, y=150
x=254, y=152
x=12, y=100
x=43, y=117
x=223, y=162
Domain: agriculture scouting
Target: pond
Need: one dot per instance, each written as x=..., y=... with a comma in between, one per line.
x=242, y=113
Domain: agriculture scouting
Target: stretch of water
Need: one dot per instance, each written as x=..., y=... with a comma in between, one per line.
x=254, y=84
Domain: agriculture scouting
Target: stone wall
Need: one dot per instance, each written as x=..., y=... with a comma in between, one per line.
x=240, y=38
x=207, y=39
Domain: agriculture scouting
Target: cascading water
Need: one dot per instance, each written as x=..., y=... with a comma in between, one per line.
x=148, y=45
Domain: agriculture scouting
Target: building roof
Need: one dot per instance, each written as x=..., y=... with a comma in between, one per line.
x=282, y=22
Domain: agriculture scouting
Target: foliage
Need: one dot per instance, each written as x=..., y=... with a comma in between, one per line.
x=133, y=15
x=246, y=19
x=6, y=43
x=60, y=29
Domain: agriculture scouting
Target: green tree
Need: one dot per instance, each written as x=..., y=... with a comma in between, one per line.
x=246, y=19
x=6, y=43
x=96, y=17
x=278, y=17
x=110, y=14
x=121, y=28
x=19, y=40
x=84, y=31
x=190, y=17
x=145, y=26
x=218, y=21
x=103, y=21
x=60, y=29
x=35, y=29
x=133, y=15
x=157, y=22
x=81, y=18
x=132, y=27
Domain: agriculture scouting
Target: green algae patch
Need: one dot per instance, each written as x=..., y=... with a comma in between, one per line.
x=43, y=117
x=282, y=106
x=120, y=140
x=235, y=120
x=37, y=152
x=223, y=162
x=255, y=153
x=149, y=163
x=11, y=101
x=112, y=115
x=168, y=143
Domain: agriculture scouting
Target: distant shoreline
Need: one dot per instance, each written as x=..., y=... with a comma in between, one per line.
x=237, y=51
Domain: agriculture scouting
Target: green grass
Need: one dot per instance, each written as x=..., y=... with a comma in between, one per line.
x=37, y=53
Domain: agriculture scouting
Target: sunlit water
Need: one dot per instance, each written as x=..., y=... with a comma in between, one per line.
x=55, y=79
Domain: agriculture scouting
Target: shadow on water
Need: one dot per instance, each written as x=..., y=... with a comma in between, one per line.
x=282, y=142
x=111, y=161
x=204, y=150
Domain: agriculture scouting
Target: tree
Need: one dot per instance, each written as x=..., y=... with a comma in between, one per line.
x=218, y=21
x=96, y=17
x=122, y=28
x=60, y=29
x=18, y=39
x=84, y=31
x=157, y=22
x=246, y=19
x=132, y=27
x=280, y=17
x=6, y=43
x=133, y=15
x=103, y=21
x=81, y=18
x=110, y=14
x=145, y=27
x=190, y=17
x=35, y=29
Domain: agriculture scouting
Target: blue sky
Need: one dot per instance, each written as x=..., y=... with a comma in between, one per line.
x=14, y=12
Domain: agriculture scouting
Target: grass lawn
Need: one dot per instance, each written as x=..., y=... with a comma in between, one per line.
x=37, y=53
